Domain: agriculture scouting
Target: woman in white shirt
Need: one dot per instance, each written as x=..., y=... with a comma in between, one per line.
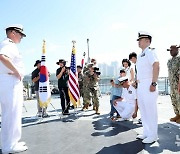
x=126, y=64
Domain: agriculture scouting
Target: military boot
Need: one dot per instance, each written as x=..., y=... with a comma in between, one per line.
x=97, y=111
x=177, y=117
x=178, y=121
x=85, y=107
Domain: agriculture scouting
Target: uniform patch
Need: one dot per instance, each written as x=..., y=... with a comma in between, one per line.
x=130, y=92
x=143, y=54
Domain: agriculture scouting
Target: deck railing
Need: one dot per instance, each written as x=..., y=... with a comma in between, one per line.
x=163, y=86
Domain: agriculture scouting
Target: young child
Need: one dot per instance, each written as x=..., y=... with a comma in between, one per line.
x=117, y=92
x=111, y=92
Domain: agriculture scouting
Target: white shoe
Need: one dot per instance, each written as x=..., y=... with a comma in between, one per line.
x=150, y=140
x=17, y=148
x=141, y=136
x=120, y=119
x=21, y=143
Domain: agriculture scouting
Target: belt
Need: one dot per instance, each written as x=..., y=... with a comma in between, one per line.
x=5, y=74
x=138, y=81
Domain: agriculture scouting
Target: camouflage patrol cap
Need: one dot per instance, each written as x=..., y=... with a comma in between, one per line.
x=173, y=47
x=79, y=66
x=93, y=60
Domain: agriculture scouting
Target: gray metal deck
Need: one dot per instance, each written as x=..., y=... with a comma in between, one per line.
x=87, y=133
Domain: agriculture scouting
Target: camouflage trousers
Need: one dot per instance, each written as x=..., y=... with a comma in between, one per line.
x=95, y=97
x=81, y=91
x=175, y=98
x=86, y=95
x=89, y=93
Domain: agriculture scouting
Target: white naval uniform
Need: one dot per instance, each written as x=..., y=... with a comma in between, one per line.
x=147, y=101
x=126, y=107
x=11, y=96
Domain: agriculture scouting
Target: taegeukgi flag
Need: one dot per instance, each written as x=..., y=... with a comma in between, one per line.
x=44, y=88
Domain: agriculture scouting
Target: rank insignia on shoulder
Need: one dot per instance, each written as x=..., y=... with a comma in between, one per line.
x=130, y=92
x=151, y=48
x=143, y=54
x=11, y=41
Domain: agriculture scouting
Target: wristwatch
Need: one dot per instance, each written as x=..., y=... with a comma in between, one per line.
x=154, y=84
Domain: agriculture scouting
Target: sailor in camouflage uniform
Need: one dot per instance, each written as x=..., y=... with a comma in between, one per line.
x=174, y=79
x=94, y=88
x=86, y=91
x=80, y=79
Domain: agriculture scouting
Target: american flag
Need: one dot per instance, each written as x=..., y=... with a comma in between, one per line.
x=73, y=80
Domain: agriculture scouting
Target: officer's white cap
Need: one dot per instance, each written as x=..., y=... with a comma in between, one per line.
x=143, y=34
x=17, y=27
x=124, y=78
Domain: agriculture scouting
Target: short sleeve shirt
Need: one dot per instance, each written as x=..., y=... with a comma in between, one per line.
x=9, y=49
x=117, y=90
x=63, y=81
x=128, y=71
x=36, y=73
x=129, y=95
x=145, y=63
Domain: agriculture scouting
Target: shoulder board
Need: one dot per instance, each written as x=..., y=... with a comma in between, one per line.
x=11, y=41
x=151, y=48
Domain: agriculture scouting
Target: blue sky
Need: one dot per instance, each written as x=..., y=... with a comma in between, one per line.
x=110, y=25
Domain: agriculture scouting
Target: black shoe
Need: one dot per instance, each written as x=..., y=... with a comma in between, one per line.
x=139, y=121
x=72, y=106
x=45, y=115
x=39, y=114
x=66, y=113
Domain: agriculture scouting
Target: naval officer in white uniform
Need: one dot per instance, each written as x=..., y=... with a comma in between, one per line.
x=11, y=90
x=147, y=92
x=127, y=104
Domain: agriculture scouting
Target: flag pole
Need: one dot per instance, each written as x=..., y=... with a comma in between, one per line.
x=44, y=88
x=75, y=107
x=73, y=41
x=73, y=89
x=84, y=54
x=82, y=61
x=88, y=60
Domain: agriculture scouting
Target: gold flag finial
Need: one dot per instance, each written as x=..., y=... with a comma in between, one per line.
x=73, y=48
x=44, y=46
x=73, y=41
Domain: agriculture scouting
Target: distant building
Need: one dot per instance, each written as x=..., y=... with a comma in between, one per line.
x=111, y=70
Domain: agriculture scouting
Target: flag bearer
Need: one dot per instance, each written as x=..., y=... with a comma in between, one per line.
x=62, y=76
x=35, y=79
